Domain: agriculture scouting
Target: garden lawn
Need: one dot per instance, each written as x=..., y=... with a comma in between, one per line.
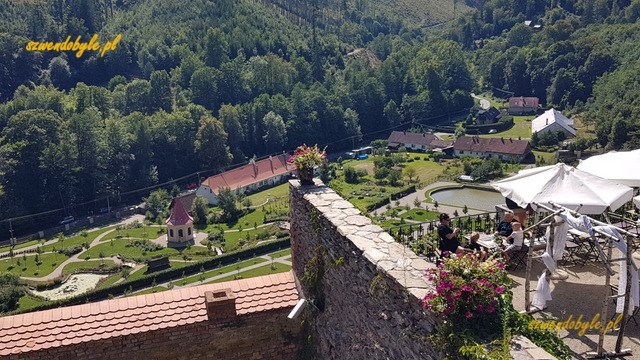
x=118, y=247
x=19, y=246
x=137, y=233
x=260, y=271
x=261, y=197
x=219, y=271
x=280, y=208
x=49, y=263
x=27, y=302
x=426, y=170
x=420, y=215
x=73, y=241
x=549, y=157
x=232, y=239
x=280, y=253
x=521, y=128
x=150, y=291
x=88, y=265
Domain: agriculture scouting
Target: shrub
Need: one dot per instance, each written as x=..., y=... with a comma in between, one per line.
x=71, y=251
x=145, y=245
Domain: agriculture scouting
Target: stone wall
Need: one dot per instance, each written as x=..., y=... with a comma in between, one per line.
x=371, y=297
x=264, y=335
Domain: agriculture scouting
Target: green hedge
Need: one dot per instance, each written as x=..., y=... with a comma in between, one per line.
x=165, y=275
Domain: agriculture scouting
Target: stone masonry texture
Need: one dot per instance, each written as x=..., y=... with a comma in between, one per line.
x=371, y=299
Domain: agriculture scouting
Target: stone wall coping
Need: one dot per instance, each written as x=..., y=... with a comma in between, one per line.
x=395, y=260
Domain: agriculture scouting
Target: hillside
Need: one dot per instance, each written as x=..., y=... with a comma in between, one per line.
x=421, y=12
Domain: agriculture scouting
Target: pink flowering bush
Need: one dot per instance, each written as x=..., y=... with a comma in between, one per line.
x=306, y=157
x=467, y=288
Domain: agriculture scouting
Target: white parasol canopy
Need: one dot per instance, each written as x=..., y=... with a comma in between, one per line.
x=619, y=166
x=564, y=185
x=636, y=201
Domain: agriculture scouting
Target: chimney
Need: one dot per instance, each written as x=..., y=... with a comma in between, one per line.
x=221, y=304
x=519, y=137
x=502, y=139
x=547, y=121
x=510, y=140
x=271, y=162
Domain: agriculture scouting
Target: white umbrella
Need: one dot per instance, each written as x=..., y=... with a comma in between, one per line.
x=564, y=185
x=619, y=166
x=636, y=200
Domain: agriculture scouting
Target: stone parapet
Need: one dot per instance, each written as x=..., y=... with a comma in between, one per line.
x=371, y=298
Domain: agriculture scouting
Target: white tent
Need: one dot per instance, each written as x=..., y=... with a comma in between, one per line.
x=564, y=185
x=636, y=200
x=619, y=166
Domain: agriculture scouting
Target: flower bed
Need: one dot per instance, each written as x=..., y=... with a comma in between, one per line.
x=473, y=300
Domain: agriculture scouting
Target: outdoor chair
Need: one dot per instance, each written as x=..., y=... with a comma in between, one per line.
x=519, y=257
x=571, y=250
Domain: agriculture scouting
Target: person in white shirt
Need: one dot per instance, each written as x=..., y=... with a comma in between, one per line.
x=516, y=240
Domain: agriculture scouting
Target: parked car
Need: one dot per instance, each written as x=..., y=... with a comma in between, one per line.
x=493, y=131
x=67, y=220
x=191, y=186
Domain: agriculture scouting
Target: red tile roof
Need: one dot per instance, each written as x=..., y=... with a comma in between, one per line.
x=179, y=216
x=492, y=145
x=249, y=174
x=114, y=318
x=186, y=200
x=403, y=137
x=523, y=102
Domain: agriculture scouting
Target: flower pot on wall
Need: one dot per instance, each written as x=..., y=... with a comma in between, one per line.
x=306, y=176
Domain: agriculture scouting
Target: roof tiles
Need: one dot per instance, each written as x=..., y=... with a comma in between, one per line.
x=142, y=313
x=491, y=145
x=249, y=174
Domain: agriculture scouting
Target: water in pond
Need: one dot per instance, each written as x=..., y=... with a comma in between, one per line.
x=76, y=284
x=473, y=198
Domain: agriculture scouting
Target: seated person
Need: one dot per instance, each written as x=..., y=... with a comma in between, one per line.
x=448, y=240
x=518, y=212
x=516, y=241
x=475, y=247
x=504, y=228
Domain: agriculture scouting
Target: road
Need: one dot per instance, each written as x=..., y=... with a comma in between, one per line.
x=484, y=103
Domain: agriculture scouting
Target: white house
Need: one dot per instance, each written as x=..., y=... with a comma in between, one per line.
x=247, y=178
x=553, y=120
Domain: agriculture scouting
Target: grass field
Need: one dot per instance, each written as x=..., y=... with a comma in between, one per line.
x=419, y=215
x=258, y=198
x=219, y=271
x=280, y=253
x=118, y=247
x=549, y=157
x=88, y=265
x=74, y=240
x=520, y=129
x=137, y=233
x=150, y=291
x=426, y=170
x=261, y=271
x=28, y=302
x=49, y=263
x=19, y=246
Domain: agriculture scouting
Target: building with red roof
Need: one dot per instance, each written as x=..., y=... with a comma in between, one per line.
x=241, y=319
x=247, y=178
x=513, y=150
x=523, y=105
x=179, y=224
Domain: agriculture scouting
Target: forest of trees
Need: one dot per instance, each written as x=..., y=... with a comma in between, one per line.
x=197, y=85
x=585, y=60
x=185, y=93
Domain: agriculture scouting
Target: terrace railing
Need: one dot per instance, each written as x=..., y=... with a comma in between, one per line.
x=422, y=237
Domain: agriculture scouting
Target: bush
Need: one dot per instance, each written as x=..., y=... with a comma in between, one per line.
x=71, y=251
x=145, y=245
x=10, y=292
